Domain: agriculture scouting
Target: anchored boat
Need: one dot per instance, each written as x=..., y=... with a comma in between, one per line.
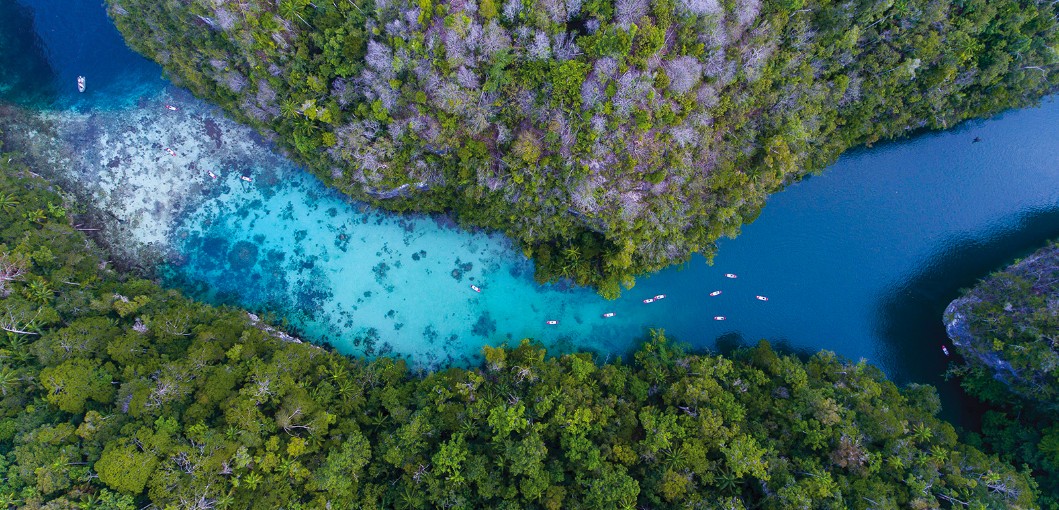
x=80, y=83
x=608, y=315
x=762, y=298
x=715, y=293
x=731, y=275
x=475, y=288
x=552, y=323
x=718, y=318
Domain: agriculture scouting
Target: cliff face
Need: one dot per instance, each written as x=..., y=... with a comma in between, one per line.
x=607, y=137
x=958, y=321
x=1009, y=324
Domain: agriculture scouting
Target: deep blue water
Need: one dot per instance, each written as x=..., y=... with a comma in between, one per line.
x=46, y=44
x=860, y=260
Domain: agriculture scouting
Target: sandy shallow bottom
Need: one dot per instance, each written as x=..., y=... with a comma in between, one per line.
x=263, y=234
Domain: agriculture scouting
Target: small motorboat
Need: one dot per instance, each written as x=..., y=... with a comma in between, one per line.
x=731, y=275
x=552, y=323
x=475, y=288
x=80, y=83
x=945, y=350
x=170, y=108
x=245, y=178
x=761, y=298
x=715, y=293
x=170, y=151
x=649, y=301
x=718, y=318
x=211, y=174
x=608, y=315
x=660, y=296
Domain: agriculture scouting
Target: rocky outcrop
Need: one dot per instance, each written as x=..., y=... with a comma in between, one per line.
x=255, y=320
x=1009, y=324
x=958, y=327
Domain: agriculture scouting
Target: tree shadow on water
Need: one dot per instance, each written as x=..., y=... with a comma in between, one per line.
x=910, y=318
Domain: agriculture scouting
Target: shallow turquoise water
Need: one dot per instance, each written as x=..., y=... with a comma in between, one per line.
x=860, y=260
x=841, y=258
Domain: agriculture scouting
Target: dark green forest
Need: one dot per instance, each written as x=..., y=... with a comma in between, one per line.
x=607, y=137
x=1007, y=330
x=118, y=394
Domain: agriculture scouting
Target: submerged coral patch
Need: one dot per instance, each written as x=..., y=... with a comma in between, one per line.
x=243, y=256
x=485, y=326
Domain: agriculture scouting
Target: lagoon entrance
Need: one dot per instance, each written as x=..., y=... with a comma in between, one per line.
x=860, y=260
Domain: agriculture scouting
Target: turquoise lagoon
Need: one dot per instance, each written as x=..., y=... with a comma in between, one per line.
x=860, y=260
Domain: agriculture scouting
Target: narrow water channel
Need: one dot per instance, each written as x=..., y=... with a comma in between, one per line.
x=860, y=260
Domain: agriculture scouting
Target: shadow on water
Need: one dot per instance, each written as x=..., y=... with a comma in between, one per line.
x=728, y=343
x=913, y=312
x=24, y=66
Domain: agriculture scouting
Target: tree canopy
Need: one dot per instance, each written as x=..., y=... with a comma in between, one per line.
x=1006, y=329
x=607, y=137
x=115, y=393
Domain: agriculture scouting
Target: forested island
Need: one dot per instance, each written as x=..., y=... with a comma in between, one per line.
x=607, y=137
x=118, y=394
x=1007, y=330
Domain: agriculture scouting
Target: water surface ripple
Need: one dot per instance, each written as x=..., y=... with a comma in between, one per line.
x=860, y=260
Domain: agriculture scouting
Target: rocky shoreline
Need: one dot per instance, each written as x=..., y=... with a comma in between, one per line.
x=1006, y=323
x=130, y=190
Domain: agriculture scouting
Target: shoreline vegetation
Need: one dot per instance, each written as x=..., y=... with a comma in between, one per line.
x=1006, y=329
x=608, y=138
x=119, y=394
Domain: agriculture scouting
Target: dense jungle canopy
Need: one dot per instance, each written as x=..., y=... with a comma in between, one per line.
x=117, y=394
x=1006, y=329
x=607, y=137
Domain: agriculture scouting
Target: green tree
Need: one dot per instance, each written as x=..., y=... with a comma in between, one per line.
x=74, y=382
x=125, y=468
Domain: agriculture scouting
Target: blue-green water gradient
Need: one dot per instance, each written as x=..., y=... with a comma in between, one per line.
x=860, y=260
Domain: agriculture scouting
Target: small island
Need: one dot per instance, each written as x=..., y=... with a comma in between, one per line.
x=1008, y=324
x=1006, y=332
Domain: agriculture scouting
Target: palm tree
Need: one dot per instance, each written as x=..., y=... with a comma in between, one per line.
x=225, y=500
x=7, y=202
x=726, y=480
x=289, y=108
x=922, y=433
x=8, y=380
x=291, y=9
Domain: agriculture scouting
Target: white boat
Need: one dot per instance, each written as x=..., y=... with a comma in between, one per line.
x=245, y=178
x=211, y=174
x=552, y=323
x=475, y=288
x=660, y=296
x=715, y=293
x=945, y=350
x=80, y=83
x=718, y=318
x=731, y=275
x=762, y=298
x=170, y=151
x=649, y=300
x=170, y=107
x=608, y=315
